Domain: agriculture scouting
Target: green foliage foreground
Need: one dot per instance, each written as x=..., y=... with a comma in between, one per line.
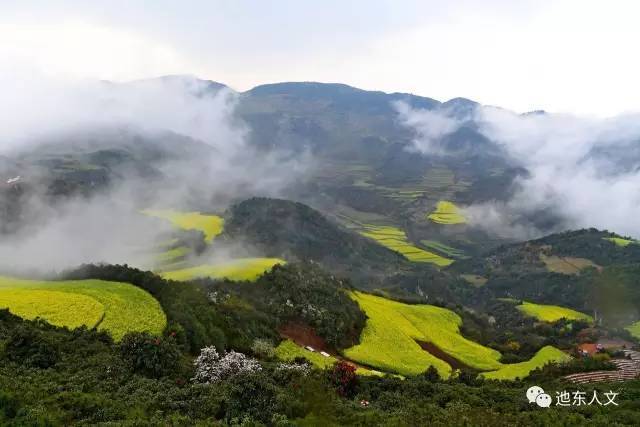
x=50, y=376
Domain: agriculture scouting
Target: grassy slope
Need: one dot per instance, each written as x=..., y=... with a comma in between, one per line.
x=210, y=225
x=447, y=213
x=126, y=307
x=620, y=241
x=551, y=313
x=389, y=339
x=237, y=269
x=565, y=265
x=521, y=370
x=287, y=351
x=396, y=239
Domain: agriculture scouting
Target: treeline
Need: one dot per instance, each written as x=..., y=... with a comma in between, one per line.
x=234, y=314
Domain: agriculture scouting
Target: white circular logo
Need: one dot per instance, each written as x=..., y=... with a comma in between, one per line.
x=543, y=400
x=533, y=392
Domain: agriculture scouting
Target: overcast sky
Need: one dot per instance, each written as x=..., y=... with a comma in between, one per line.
x=577, y=56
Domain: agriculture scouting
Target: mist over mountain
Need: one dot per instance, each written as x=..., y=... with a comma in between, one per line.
x=178, y=141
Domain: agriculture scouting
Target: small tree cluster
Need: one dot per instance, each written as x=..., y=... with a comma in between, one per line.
x=31, y=347
x=150, y=355
x=211, y=367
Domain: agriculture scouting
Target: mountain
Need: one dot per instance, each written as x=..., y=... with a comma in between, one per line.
x=294, y=231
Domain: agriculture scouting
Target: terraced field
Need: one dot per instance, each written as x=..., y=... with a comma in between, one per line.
x=551, y=313
x=209, y=225
x=447, y=213
x=443, y=249
x=115, y=307
x=236, y=269
x=388, y=341
x=566, y=265
x=172, y=255
x=396, y=239
x=441, y=181
x=548, y=354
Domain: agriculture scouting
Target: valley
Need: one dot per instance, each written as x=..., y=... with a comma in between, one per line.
x=370, y=278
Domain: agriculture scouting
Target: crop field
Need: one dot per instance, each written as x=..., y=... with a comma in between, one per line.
x=287, y=351
x=115, y=307
x=236, y=269
x=447, y=213
x=551, y=313
x=388, y=341
x=58, y=308
x=474, y=279
x=442, y=182
x=634, y=329
x=172, y=255
x=210, y=225
x=548, y=354
x=438, y=179
x=443, y=249
x=619, y=241
x=565, y=265
x=396, y=239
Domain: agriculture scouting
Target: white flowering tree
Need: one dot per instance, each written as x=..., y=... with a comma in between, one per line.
x=211, y=367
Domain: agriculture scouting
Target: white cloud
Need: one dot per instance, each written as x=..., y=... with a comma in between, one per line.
x=430, y=126
x=585, y=171
x=77, y=49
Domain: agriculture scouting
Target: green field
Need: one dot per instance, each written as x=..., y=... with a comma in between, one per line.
x=236, y=269
x=565, y=265
x=172, y=255
x=209, y=225
x=443, y=249
x=396, y=239
x=287, y=351
x=388, y=341
x=634, y=329
x=619, y=241
x=474, y=279
x=447, y=213
x=115, y=307
x=551, y=313
x=521, y=370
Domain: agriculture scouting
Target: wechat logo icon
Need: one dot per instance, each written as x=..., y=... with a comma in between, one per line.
x=536, y=394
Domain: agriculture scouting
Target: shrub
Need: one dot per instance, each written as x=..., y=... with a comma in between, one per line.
x=31, y=347
x=211, y=367
x=150, y=355
x=263, y=348
x=343, y=377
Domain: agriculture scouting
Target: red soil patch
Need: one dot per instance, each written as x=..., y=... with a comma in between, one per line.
x=435, y=351
x=588, y=348
x=303, y=335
